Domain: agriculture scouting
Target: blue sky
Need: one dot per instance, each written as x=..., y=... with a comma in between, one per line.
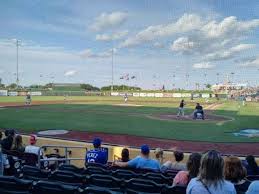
x=159, y=42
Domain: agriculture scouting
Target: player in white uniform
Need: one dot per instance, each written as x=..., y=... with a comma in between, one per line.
x=125, y=98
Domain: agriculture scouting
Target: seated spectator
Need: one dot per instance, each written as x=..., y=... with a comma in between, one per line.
x=125, y=155
x=177, y=165
x=32, y=148
x=253, y=188
x=198, y=110
x=193, y=166
x=251, y=165
x=7, y=142
x=98, y=154
x=159, y=154
x=236, y=173
x=141, y=162
x=211, y=177
x=1, y=136
x=18, y=145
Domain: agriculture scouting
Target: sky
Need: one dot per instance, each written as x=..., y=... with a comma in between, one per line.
x=176, y=43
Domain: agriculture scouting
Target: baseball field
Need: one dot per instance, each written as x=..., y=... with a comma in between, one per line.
x=150, y=118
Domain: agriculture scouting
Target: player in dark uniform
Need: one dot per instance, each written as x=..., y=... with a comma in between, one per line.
x=181, y=109
x=28, y=99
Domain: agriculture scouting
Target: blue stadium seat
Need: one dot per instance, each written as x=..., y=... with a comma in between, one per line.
x=34, y=173
x=96, y=190
x=125, y=174
x=174, y=190
x=142, y=186
x=96, y=170
x=72, y=168
x=105, y=181
x=45, y=187
x=253, y=177
x=68, y=177
x=12, y=185
x=158, y=178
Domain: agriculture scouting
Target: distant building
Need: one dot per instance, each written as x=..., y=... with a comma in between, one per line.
x=227, y=88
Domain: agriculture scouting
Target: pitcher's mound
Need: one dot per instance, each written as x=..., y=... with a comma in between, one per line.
x=209, y=117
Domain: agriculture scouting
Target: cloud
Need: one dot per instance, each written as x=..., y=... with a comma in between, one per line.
x=187, y=22
x=204, y=65
x=229, y=26
x=229, y=53
x=70, y=73
x=182, y=44
x=250, y=61
x=108, y=20
x=110, y=37
x=88, y=53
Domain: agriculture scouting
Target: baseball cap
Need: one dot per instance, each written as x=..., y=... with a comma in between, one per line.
x=33, y=139
x=97, y=142
x=145, y=149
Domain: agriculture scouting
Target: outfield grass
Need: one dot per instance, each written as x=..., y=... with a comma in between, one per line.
x=100, y=116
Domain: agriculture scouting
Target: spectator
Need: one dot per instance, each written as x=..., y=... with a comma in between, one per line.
x=18, y=145
x=177, y=165
x=251, y=166
x=141, y=162
x=236, y=173
x=98, y=154
x=159, y=154
x=193, y=165
x=125, y=155
x=211, y=179
x=253, y=188
x=7, y=142
x=1, y=136
x=32, y=148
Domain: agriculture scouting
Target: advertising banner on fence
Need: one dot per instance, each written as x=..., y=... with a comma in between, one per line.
x=136, y=94
x=3, y=92
x=12, y=93
x=150, y=95
x=196, y=95
x=143, y=94
x=35, y=93
x=114, y=93
x=186, y=95
x=167, y=95
x=177, y=95
x=205, y=95
x=159, y=95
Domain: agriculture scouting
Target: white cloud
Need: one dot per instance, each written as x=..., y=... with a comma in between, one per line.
x=70, y=73
x=182, y=44
x=88, y=53
x=204, y=65
x=228, y=53
x=229, y=26
x=110, y=37
x=108, y=20
x=186, y=23
x=250, y=62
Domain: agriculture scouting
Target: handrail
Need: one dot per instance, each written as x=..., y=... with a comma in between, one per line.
x=66, y=159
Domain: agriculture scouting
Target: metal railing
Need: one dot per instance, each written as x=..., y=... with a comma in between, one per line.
x=67, y=159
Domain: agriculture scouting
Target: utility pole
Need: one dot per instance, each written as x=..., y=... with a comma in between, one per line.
x=112, y=67
x=17, y=42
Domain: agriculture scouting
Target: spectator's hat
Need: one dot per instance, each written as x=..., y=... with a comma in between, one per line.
x=145, y=149
x=33, y=139
x=159, y=151
x=97, y=142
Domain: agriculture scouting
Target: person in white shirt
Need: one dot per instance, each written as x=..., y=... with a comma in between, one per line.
x=32, y=148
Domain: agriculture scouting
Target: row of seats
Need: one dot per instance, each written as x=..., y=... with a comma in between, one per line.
x=97, y=184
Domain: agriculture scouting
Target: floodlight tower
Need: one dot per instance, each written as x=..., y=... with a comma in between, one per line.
x=17, y=43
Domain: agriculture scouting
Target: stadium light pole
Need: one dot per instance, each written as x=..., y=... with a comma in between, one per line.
x=17, y=43
x=112, y=67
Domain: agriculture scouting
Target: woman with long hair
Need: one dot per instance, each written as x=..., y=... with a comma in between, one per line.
x=236, y=173
x=18, y=144
x=211, y=177
x=193, y=165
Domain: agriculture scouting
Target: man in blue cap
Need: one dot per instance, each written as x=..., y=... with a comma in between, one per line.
x=98, y=154
x=143, y=161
